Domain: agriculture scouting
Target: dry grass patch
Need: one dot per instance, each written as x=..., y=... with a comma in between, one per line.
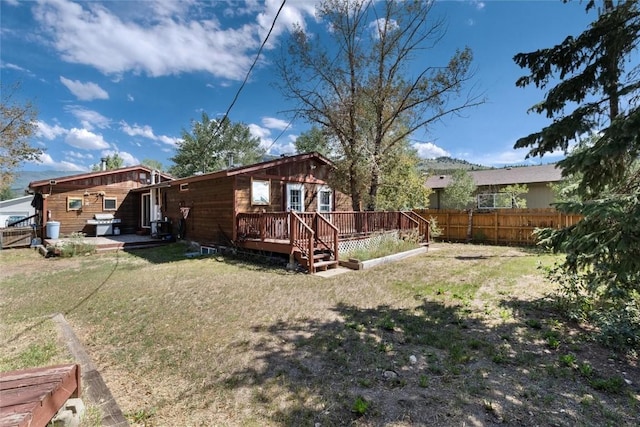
x=459, y=335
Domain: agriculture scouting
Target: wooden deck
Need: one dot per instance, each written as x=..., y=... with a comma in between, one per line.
x=32, y=397
x=114, y=243
x=313, y=238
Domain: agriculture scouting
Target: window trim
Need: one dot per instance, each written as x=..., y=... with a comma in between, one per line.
x=72, y=203
x=104, y=203
x=184, y=186
x=258, y=189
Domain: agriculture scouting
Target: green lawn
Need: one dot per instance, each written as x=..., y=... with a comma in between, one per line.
x=461, y=335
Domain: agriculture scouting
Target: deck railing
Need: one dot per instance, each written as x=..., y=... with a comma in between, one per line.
x=327, y=227
x=263, y=226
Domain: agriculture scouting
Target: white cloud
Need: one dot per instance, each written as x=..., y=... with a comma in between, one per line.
x=46, y=160
x=429, y=150
x=259, y=131
x=128, y=159
x=88, y=118
x=146, y=131
x=169, y=140
x=43, y=130
x=130, y=98
x=135, y=130
x=478, y=4
x=379, y=24
x=78, y=155
x=84, y=91
x=273, y=123
x=86, y=140
x=160, y=39
x=15, y=67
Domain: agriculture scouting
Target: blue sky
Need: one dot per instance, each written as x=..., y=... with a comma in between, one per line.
x=129, y=76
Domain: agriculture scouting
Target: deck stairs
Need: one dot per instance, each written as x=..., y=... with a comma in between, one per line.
x=322, y=260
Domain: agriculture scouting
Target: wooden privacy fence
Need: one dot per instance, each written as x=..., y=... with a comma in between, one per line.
x=500, y=226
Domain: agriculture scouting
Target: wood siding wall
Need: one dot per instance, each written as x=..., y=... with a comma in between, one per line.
x=501, y=226
x=91, y=191
x=214, y=203
x=211, y=213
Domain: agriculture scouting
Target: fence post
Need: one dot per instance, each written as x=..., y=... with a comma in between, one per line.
x=495, y=226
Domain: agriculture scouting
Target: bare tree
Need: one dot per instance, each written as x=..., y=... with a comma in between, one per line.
x=358, y=84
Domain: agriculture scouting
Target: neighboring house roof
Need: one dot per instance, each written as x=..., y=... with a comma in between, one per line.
x=246, y=169
x=63, y=179
x=505, y=176
x=15, y=202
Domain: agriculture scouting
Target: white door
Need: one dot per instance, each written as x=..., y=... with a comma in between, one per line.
x=295, y=197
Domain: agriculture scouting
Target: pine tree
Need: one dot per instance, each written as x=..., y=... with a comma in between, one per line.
x=602, y=250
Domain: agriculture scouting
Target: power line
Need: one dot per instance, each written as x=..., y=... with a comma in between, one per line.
x=246, y=78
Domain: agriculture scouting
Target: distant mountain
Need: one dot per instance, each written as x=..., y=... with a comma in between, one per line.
x=447, y=165
x=23, y=178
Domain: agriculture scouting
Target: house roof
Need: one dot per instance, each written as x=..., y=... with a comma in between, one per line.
x=16, y=201
x=245, y=169
x=36, y=184
x=505, y=176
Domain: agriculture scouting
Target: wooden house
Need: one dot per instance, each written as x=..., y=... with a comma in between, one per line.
x=77, y=201
x=285, y=206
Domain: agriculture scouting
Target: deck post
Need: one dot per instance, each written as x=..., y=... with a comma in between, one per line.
x=263, y=226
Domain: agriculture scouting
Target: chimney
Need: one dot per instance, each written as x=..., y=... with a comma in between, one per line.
x=103, y=164
x=230, y=160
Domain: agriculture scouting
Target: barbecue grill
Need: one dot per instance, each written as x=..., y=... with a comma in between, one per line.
x=104, y=223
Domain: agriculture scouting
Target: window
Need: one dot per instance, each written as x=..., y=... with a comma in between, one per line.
x=295, y=197
x=495, y=201
x=143, y=178
x=325, y=203
x=109, y=204
x=260, y=192
x=184, y=187
x=74, y=203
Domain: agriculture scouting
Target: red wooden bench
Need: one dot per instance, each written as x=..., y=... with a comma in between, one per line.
x=32, y=397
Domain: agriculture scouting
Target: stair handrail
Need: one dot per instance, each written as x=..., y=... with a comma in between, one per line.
x=334, y=247
x=308, y=239
x=424, y=224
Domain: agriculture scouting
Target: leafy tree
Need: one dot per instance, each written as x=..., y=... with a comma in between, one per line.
x=515, y=190
x=152, y=164
x=355, y=84
x=402, y=183
x=112, y=162
x=460, y=193
x=596, y=94
x=313, y=140
x=17, y=125
x=211, y=144
x=6, y=193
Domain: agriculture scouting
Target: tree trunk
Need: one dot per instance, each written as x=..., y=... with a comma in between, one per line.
x=353, y=188
x=373, y=189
